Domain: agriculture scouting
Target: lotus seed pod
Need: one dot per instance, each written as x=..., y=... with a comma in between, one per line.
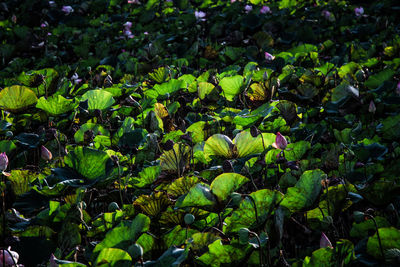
x=136, y=251
x=9, y=134
x=244, y=235
x=189, y=218
x=358, y=216
x=236, y=198
x=113, y=206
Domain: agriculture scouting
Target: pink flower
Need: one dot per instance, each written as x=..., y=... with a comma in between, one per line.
x=44, y=24
x=359, y=11
x=233, y=1
x=134, y=2
x=371, y=107
x=324, y=242
x=10, y=257
x=146, y=33
x=128, y=34
x=280, y=141
x=265, y=10
x=200, y=15
x=268, y=57
x=248, y=8
x=326, y=14
x=398, y=88
x=75, y=79
x=128, y=25
x=3, y=161
x=52, y=3
x=67, y=10
x=45, y=153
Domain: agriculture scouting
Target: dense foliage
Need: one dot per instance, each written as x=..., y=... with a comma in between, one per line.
x=200, y=133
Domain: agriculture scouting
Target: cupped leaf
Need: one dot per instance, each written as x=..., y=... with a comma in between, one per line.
x=218, y=145
x=43, y=80
x=98, y=99
x=125, y=234
x=20, y=180
x=231, y=86
x=224, y=184
x=253, y=210
x=176, y=159
x=56, y=105
x=204, y=88
x=154, y=204
x=246, y=144
x=17, y=98
x=147, y=176
x=90, y=163
x=182, y=185
x=198, y=196
x=113, y=257
x=305, y=192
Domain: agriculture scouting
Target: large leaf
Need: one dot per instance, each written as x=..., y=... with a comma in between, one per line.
x=49, y=80
x=219, y=254
x=224, y=184
x=198, y=196
x=16, y=98
x=305, y=192
x=56, y=105
x=390, y=238
x=125, y=234
x=231, y=86
x=377, y=79
x=246, y=216
x=147, y=176
x=98, y=99
x=90, y=163
x=248, y=145
x=20, y=180
x=176, y=159
x=218, y=145
x=113, y=257
x=169, y=87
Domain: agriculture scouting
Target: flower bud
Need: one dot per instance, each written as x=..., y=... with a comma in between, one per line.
x=3, y=161
x=371, y=107
x=324, y=242
x=280, y=141
x=268, y=57
x=10, y=257
x=45, y=153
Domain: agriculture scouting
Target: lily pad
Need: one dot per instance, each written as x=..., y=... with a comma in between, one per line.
x=224, y=184
x=56, y=105
x=231, y=86
x=98, y=99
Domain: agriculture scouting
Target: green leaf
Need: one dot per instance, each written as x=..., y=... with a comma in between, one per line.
x=17, y=98
x=169, y=87
x=224, y=184
x=305, y=192
x=159, y=75
x=342, y=91
x=249, y=145
x=390, y=238
x=125, y=234
x=377, y=79
x=391, y=127
x=320, y=257
x=20, y=180
x=98, y=99
x=219, y=254
x=361, y=230
x=96, y=128
x=69, y=235
x=177, y=236
x=296, y=151
x=176, y=159
x=218, y=145
x=198, y=196
x=204, y=88
x=90, y=163
x=147, y=176
x=49, y=82
x=113, y=257
x=56, y=105
x=245, y=216
x=231, y=86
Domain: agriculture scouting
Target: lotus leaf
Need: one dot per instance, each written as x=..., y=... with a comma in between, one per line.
x=389, y=238
x=98, y=99
x=17, y=98
x=56, y=105
x=231, y=86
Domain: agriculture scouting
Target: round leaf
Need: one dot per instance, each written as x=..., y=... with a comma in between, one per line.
x=16, y=98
